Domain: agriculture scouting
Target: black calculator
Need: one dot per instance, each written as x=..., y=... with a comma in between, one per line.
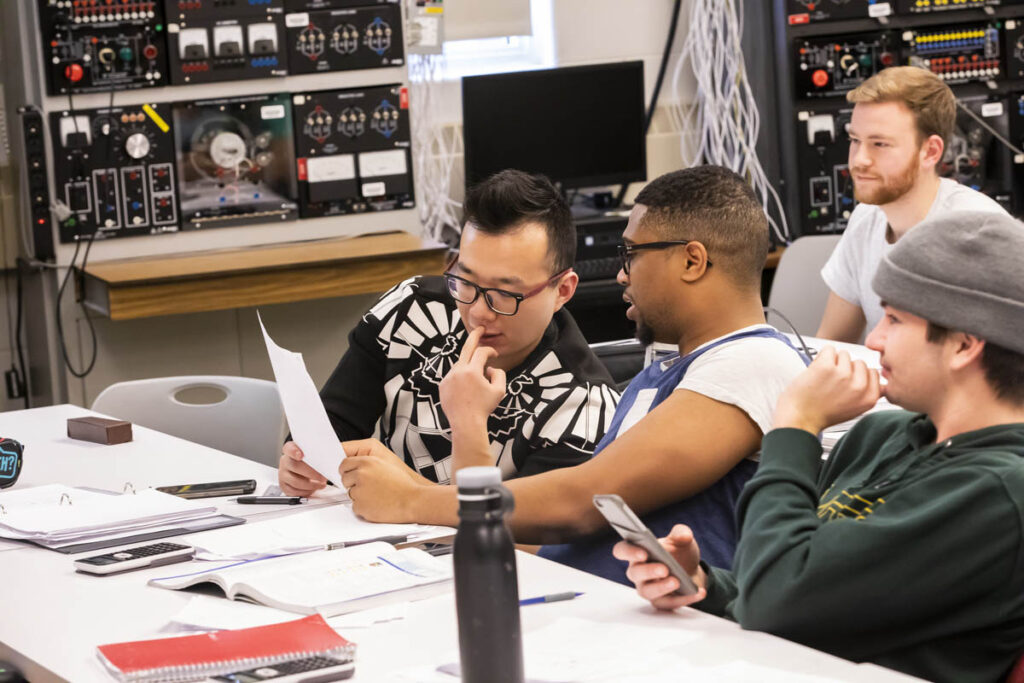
x=141, y=557
x=306, y=669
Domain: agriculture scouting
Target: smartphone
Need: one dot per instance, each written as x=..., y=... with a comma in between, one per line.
x=211, y=489
x=628, y=525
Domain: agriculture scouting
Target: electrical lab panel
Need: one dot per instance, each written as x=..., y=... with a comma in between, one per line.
x=114, y=171
x=91, y=46
x=957, y=54
x=225, y=40
x=974, y=156
x=1013, y=47
x=209, y=10
x=1015, y=116
x=353, y=151
x=825, y=183
x=306, y=5
x=235, y=161
x=812, y=11
x=928, y=6
x=344, y=39
x=835, y=65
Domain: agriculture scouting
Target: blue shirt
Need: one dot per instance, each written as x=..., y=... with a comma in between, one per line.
x=710, y=513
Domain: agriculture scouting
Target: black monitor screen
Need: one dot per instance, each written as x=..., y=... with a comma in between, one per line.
x=580, y=126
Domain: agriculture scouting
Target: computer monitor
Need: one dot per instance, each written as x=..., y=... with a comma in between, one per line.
x=580, y=126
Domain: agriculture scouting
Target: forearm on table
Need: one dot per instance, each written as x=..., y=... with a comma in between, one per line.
x=554, y=507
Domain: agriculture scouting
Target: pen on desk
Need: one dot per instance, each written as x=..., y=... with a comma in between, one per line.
x=270, y=500
x=386, y=539
x=554, y=597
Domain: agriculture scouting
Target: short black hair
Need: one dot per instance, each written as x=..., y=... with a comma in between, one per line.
x=506, y=200
x=716, y=207
x=1004, y=368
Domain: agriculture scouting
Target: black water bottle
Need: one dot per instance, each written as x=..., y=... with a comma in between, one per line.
x=486, y=592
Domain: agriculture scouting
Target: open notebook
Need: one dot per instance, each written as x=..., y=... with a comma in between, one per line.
x=75, y=519
x=328, y=582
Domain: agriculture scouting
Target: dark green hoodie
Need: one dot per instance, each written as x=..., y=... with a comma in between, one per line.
x=897, y=551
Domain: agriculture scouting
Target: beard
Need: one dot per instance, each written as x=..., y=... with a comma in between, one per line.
x=644, y=333
x=891, y=189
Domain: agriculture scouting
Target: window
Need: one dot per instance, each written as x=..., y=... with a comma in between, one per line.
x=497, y=54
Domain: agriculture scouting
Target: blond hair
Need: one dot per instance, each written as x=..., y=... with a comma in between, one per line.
x=927, y=97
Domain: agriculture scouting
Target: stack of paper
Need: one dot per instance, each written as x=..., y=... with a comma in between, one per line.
x=301, y=532
x=55, y=515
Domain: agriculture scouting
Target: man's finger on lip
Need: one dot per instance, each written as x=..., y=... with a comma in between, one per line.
x=472, y=339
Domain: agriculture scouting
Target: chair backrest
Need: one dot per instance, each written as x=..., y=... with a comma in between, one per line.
x=798, y=291
x=247, y=421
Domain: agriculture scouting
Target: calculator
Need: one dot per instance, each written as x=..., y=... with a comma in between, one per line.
x=307, y=669
x=141, y=557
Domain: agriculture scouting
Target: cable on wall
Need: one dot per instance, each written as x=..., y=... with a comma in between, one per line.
x=435, y=147
x=722, y=124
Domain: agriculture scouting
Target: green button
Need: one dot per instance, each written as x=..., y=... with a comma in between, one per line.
x=813, y=213
x=71, y=222
x=125, y=53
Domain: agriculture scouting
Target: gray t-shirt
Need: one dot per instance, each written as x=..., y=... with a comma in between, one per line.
x=852, y=266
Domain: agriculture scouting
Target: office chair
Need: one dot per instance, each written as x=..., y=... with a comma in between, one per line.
x=798, y=291
x=245, y=418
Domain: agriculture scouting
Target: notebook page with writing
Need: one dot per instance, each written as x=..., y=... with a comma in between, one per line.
x=329, y=582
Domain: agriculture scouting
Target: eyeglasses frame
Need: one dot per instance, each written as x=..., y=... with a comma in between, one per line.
x=626, y=251
x=519, y=297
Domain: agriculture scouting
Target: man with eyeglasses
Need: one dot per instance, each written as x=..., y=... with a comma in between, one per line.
x=482, y=366
x=685, y=436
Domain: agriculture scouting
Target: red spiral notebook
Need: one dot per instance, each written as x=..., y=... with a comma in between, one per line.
x=212, y=654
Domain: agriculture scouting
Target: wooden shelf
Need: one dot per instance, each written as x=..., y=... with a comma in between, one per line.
x=273, y=274
x=773, y=257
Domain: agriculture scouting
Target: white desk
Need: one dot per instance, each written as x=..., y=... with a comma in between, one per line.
x=53, y=618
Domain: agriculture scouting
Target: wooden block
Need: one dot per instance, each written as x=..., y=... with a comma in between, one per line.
x=99, y=430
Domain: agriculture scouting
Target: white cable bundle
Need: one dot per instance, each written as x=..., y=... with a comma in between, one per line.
x=722, y=126
x=434, y=149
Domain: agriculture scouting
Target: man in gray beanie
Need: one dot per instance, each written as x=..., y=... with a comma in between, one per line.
x=906, y=547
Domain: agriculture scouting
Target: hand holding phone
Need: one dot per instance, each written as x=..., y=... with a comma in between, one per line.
x=630, y=528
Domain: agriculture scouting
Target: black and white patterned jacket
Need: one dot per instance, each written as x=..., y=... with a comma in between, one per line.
x=557, y=404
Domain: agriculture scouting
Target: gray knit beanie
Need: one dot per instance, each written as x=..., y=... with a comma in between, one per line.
x=963, y=270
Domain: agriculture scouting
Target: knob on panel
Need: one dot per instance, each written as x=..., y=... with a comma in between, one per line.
x=136, y=146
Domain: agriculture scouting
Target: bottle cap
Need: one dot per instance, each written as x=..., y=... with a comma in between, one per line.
x=478, y=477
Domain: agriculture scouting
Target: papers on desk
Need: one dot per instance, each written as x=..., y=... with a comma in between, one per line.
x=307, y=419
x=577, y=650
x=207, y=613
x=329, y=582
x=301, y=532
x=55, y=515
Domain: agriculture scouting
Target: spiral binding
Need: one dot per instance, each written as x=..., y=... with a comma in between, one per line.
x=201, y=670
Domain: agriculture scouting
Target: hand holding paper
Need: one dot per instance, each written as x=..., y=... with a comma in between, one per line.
x=307, y=419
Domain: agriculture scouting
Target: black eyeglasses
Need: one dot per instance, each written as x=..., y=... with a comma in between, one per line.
x=500, y=301
x=626, y=251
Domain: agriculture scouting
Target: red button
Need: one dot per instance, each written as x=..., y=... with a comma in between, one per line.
x=819, y=78
x=73, y=72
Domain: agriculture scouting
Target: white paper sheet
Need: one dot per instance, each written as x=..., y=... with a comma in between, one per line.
x=574, y=649
x=209, y=613
x=307, y=419
x=300, y=532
